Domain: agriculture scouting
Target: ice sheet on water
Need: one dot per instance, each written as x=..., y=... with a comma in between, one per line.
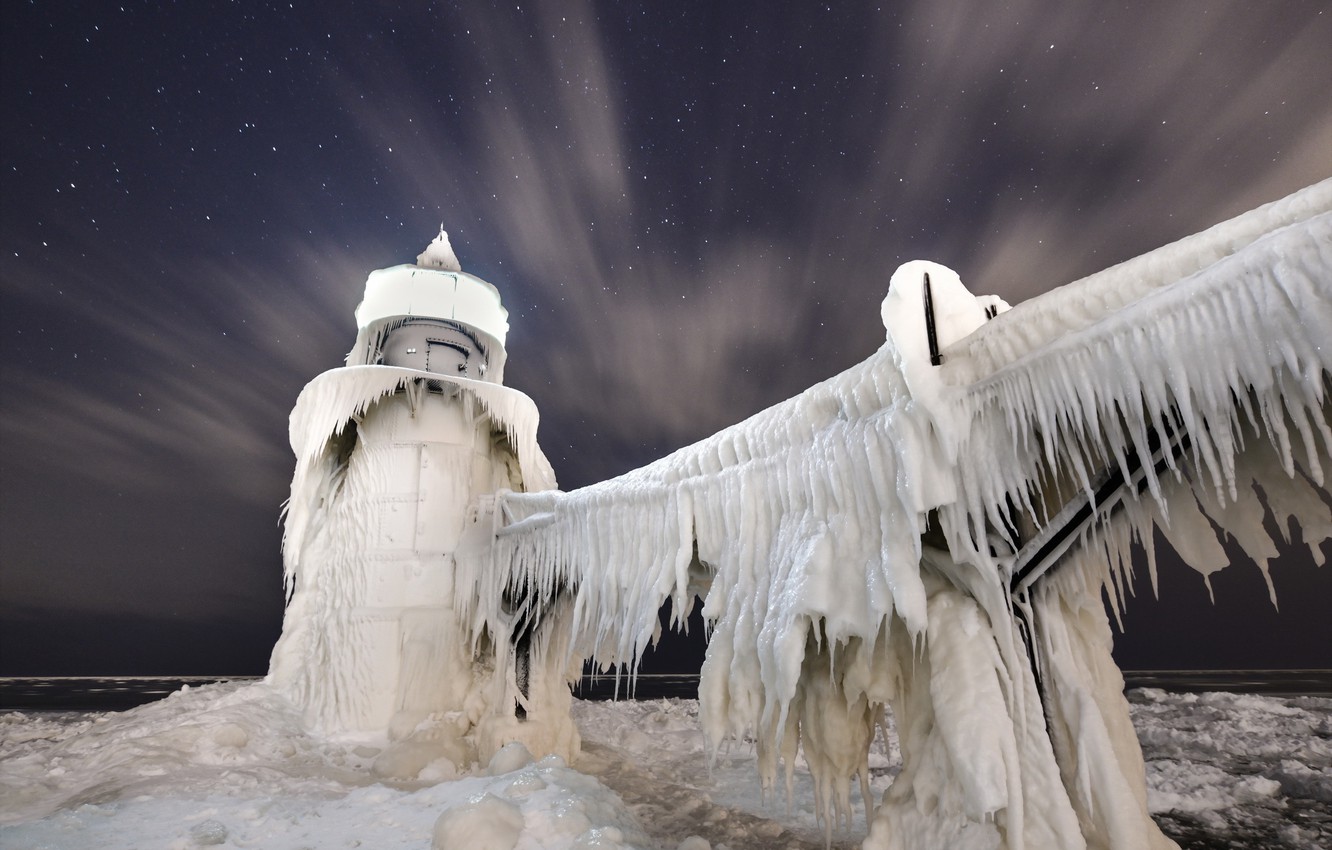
x=176, y=772
x=239, y=763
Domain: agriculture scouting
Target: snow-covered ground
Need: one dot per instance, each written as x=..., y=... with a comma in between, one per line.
x=229, y=765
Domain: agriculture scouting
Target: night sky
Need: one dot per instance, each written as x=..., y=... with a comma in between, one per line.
x=691, y=211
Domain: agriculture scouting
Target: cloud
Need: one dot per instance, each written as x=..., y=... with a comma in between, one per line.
x=691, y=214
x=186, y=363
x=1124, y=129
x=1026, y=152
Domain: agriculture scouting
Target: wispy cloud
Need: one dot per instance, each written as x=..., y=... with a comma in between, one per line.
x=1026, y=153
x=685, y=228
x=181, y=363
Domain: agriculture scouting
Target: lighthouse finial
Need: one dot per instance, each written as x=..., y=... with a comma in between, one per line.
x=439, y=254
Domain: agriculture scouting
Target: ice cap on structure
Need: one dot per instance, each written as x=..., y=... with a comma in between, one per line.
x=439, y=254
x=956, y=312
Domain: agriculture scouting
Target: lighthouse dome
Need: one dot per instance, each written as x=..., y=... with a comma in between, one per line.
x=409, y=311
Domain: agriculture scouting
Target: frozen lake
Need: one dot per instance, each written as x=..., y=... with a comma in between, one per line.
x=227, y=765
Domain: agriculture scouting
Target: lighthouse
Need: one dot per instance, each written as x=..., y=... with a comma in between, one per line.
x=394, y=451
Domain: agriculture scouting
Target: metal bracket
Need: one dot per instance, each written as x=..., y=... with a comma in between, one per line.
x=1044, y=552
x=935, y=357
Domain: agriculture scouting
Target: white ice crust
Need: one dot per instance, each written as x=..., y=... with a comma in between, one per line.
x=404, y=291
x=853, y=545
x=436, y=287
x=390, y=460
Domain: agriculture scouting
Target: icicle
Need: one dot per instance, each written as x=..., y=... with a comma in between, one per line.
x=809, y=518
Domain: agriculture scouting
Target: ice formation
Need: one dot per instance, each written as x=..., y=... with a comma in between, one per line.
x=866, y=545
x=928, y=532
x=391, y=450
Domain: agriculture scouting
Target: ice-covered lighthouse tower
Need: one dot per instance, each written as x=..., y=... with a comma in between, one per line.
x=392, y=451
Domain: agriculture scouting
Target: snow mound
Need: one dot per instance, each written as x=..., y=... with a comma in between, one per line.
x=485, y=824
